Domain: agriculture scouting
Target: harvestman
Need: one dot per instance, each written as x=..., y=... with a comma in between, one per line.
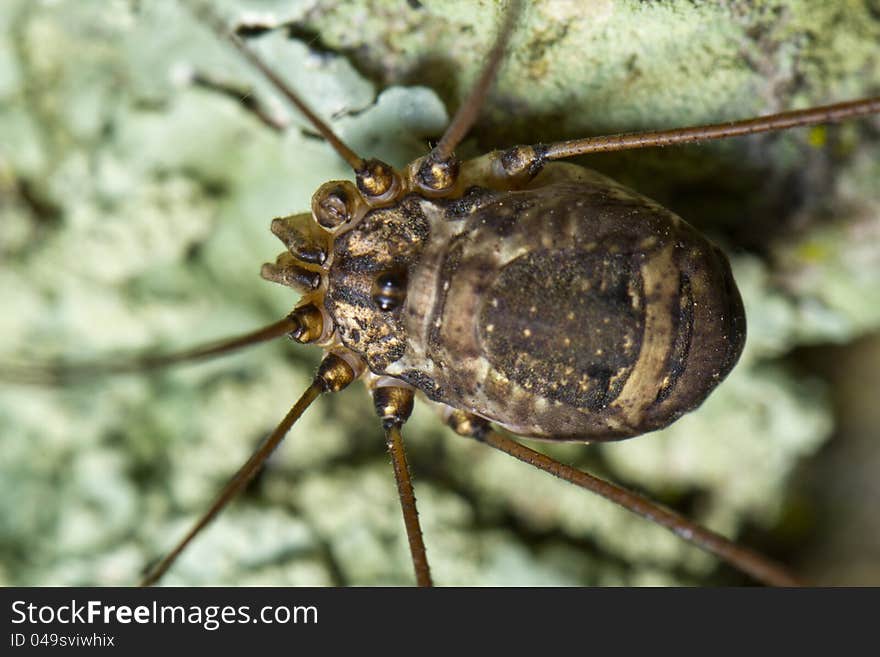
x=381, y=314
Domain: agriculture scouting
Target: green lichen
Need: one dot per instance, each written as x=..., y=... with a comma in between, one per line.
x=134, y=211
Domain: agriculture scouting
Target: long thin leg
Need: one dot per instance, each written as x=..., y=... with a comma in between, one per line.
x=394, y=406
x=606, y=144
x=408, y=505
x=206, y=13
x=333, y=375
x=743, y=559
x=470, y=109
x=62, y=373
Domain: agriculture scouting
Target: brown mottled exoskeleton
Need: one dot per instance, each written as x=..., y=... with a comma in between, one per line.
x=510, y=290
x=557, y=304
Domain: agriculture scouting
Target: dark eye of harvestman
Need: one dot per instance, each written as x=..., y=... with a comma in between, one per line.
x=389, y=290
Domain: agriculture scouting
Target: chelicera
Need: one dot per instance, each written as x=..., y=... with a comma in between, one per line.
x=366, y=253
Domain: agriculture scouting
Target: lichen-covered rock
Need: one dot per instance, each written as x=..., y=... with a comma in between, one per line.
x=134, y=213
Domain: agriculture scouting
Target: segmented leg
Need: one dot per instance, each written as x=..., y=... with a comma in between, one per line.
x=333, y=375
x=439, y=169
x=470, y=109
x=64, y=373
x=743, y=559
x=529, y=159
x=207, y=14
x=394, y=406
